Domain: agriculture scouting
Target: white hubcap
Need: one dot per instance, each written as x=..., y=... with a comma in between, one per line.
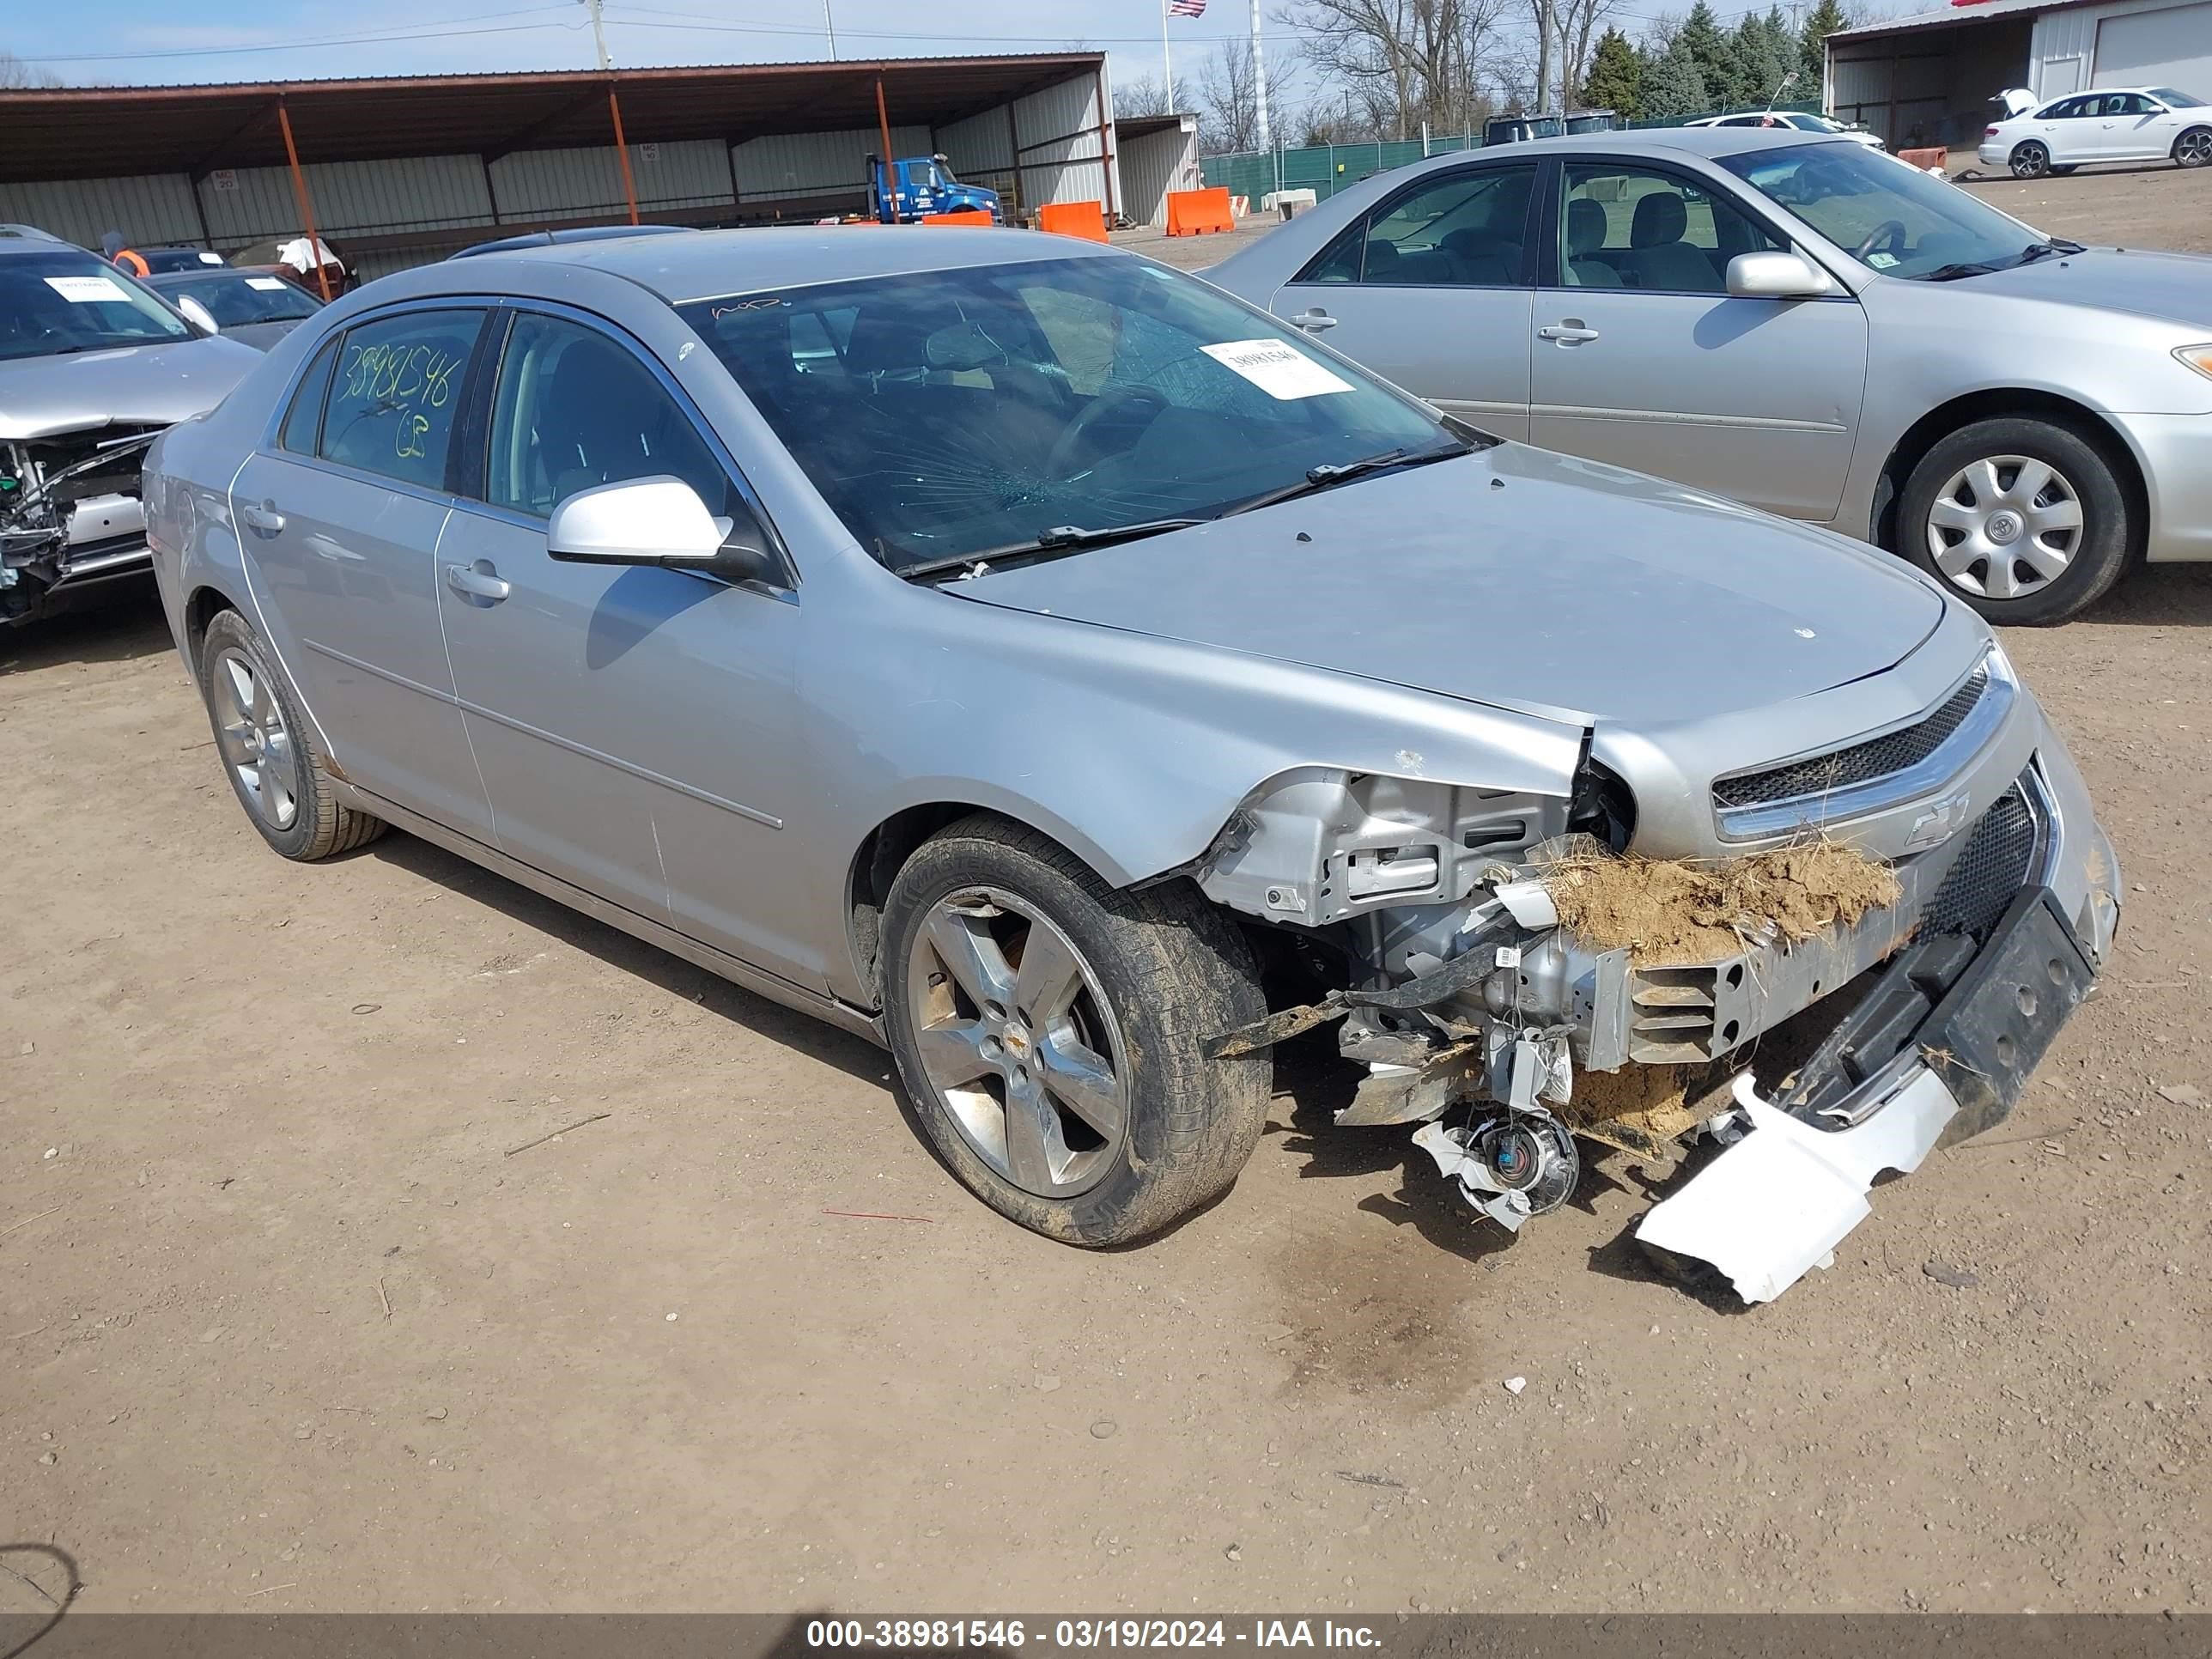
x=2004, y=528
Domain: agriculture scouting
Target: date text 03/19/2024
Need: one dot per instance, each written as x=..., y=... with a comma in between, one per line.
x=1080, y=1634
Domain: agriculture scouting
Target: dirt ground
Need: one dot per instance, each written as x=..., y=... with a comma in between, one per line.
x=300, y=1309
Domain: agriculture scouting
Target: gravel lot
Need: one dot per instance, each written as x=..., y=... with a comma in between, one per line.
x=294, y=1316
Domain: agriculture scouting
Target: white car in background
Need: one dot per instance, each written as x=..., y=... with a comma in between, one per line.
x=1792, y=120
x=2112, y=124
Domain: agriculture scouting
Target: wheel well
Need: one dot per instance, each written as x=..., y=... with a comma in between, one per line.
x=875, y=865
x=201, y=610
x=1946, y=418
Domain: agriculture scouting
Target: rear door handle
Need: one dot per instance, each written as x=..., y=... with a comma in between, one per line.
x=264, y=518
x=1566, y=333
x=478, y=582
x=1312, y=321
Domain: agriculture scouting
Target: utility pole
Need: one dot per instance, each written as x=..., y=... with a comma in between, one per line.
x=1167, y=63
x=598, y=33
x=829, y=27
x=1260, y=78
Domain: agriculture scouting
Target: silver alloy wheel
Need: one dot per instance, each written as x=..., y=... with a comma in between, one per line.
x=2193, y=149
x=2030, y=162
x=1015, y=1035
x=256, y=742
x=2005, y=526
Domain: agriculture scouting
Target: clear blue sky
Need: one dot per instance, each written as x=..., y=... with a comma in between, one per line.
x=157, y=40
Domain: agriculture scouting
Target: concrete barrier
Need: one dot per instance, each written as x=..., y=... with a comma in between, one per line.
x=965, y=216
x=1194, y=212
x=1937, y=157
x=1083, y=219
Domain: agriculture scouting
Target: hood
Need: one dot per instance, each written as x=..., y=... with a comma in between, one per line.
x=2174, y=287
x=1515, y=578
x=132, y=385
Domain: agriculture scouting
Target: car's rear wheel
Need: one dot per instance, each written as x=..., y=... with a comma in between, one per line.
x=2026, y=520
x=1050, y=1029
x=2030, y=160
x=270, y=751
x=2194, y=148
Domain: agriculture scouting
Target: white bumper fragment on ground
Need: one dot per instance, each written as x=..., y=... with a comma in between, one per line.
x=1777, y=1202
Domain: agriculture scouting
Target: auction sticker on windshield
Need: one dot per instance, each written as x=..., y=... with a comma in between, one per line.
x=1277, y=369
x=86, y=291
x=268, y=284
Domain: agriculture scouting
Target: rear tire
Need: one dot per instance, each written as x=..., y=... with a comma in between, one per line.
x=2026, y=520
x=270, y=751
x=2030, y=160
x=2194, y=148
x=1050, y=1030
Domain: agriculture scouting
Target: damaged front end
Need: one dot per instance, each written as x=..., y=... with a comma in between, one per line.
x=1516, y=979
x=69, y=513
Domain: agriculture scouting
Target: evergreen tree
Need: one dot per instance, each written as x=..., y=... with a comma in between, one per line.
x=1616, y=78
x=1765, y=52
x=1827, y=17
x=1711, y=50
x=1674, y=87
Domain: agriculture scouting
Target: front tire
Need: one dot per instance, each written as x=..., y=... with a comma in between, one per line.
x=270, y=751
x=2030, y=160
x=1050, y=1030
x=2027, y=521
x=2194, y=148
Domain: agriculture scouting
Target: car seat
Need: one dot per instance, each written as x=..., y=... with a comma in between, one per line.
x=1586, y=234
x=1658, y=256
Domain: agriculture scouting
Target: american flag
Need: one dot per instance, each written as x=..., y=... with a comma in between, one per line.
x=1186, y=8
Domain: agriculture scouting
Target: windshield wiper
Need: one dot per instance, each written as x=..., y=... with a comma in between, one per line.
x=2035, y=251
x=1067, y=538
x=1951, y=273
x=1330, y=474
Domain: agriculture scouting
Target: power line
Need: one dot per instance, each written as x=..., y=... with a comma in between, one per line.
x=388, y=36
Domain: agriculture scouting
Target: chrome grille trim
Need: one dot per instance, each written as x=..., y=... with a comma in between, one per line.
x=1983, y=720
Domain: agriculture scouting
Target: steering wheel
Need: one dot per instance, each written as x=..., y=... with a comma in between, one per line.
x=1890, y=233
x=1112, y=400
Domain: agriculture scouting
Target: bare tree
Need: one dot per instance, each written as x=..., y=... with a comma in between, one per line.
x=15, y=72
x=1228, y=98
x=1580, y=22
x=1146, y=95
x=1414, y=60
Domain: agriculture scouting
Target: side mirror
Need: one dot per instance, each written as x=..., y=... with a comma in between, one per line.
x=198, y=314
x=1777, y=276
x=657, y=521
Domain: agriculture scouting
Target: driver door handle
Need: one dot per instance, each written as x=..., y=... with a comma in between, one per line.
x=264, y=518
x=478, y=582
x=1312, y=321
x=1566, y=333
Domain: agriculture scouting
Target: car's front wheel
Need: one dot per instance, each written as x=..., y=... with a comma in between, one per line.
x=2194, y=148
x=2030, y=160
x=1050, y=1029
x=2025, y=520
x=270, y=751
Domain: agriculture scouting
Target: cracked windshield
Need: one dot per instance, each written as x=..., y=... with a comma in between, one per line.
x=961, y=415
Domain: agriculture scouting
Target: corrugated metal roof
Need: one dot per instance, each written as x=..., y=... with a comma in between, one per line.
x=96, y=132
x=1975, y=13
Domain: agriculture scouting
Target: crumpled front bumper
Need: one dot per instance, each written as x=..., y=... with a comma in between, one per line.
x=1945, y=1044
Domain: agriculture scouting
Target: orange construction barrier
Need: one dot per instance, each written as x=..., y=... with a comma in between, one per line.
x=965, y=216
x=1937, y=157
x=1192, y=212
x=1084, y=219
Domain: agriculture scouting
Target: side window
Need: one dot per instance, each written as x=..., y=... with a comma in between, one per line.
x=395, y=391
x=1340, y=261
x=1466, y=229
x=303, y=422
x=1627, y=228
x=2067, y=109
x=574, y=410
x=2133, y=103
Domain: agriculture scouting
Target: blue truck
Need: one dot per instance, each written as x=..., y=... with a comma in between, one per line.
x=921, y=187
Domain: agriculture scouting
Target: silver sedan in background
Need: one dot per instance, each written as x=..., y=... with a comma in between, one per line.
x=1003, y=647
x=1799, y=323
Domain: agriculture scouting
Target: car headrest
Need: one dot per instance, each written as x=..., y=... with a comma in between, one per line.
x=1586, y=226
x=1660, y=217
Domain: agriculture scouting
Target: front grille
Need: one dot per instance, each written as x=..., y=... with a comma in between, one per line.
x=1995, y=866
x=1876, y=757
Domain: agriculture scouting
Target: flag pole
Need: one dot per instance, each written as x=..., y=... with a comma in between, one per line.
x=1167, y=63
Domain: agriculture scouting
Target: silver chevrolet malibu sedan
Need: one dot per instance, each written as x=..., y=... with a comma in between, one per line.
x=1033, y=660
x=1799, y=323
